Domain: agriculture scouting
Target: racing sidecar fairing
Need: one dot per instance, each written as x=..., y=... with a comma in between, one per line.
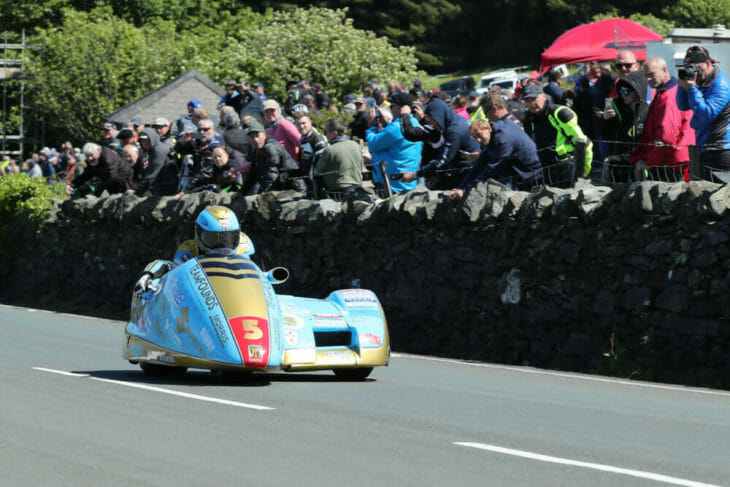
x=221, y=313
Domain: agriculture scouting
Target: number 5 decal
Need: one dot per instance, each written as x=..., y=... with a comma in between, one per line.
x=252, y=337
x=251, y=329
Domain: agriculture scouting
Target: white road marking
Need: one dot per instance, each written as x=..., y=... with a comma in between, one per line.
x=528, y=370
x=160, y=389
x=594, y=466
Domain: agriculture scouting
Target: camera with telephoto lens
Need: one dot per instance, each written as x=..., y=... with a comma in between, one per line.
x=688, y=71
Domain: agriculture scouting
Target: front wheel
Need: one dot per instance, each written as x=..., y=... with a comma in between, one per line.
x=353, y=374
x=157, y=370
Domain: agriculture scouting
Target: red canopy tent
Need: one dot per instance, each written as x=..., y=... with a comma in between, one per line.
x=598, y=41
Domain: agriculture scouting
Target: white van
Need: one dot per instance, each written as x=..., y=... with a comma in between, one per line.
x=506, y=78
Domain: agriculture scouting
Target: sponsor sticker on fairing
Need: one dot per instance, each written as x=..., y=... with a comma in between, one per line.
x=293, y=322
x=358, y=298
x=370, y=339
x=329, y=321
x=256, y=353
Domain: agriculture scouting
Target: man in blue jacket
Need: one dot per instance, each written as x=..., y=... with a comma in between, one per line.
x=705, y=90
x=442, y=163
x=508, y=156
x=387, y=141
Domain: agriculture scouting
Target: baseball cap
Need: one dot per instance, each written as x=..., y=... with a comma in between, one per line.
x=299, y=107
x=402, y=99
x=125, y=134
x=137, y=121
x=697, y=54
x=269, y=104
x=160, y=122
x=531, y=91
x=107, y=126
x=360, y=99
x=258, y=84
x=349, y=98
x=255, y=126
x=195, y=103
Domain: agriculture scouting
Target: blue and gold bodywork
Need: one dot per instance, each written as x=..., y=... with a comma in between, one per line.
x=221, y=312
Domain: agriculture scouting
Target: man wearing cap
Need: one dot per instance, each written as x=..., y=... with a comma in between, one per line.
x=187, y=120
x=137, y=125
x=361, y=120
x=161, y=125
x=705, y=90
x=125, y=136
x=233, y=97
x=400, y=154
x=272, y=164
x=109, y=139
x=348, y=107
x=555, y=130
x=258, y=88
x=281, y=129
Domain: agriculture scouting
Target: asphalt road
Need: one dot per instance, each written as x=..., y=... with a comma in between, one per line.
x=72, y=412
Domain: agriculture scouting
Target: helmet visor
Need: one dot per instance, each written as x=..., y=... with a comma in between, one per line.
x=221, y=240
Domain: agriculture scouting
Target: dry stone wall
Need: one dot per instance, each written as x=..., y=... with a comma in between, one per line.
x=631, y=280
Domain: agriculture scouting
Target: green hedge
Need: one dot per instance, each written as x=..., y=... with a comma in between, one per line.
x=25, y=204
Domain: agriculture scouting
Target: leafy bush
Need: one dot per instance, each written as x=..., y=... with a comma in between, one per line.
x=25, y=204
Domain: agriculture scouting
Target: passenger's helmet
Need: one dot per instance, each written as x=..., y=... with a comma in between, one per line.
x=217, y=230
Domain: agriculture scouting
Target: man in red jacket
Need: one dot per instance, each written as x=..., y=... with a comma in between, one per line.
x=667, y=135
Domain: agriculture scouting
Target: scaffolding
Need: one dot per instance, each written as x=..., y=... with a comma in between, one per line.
x=12, y=70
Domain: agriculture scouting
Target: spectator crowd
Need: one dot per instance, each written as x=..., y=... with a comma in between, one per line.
x=620, y=121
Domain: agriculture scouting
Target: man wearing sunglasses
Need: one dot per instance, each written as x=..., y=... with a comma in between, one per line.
x=200, y=144
x=705, y=90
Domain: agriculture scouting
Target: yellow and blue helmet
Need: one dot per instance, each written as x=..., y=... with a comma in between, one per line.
x=217, y=230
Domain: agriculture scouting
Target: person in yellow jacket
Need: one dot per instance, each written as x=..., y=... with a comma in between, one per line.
x=555, y=130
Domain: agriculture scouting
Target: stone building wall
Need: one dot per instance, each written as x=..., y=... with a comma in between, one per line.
x=629, y=281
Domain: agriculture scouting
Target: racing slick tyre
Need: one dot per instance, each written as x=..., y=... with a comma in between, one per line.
x=353, y=374
x=157, y=370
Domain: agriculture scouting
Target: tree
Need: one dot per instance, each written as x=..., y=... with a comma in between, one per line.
x=319, y=44
x=94, y=63
x=699, y=13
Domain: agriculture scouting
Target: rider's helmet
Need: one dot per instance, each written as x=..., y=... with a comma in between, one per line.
x=217, y=230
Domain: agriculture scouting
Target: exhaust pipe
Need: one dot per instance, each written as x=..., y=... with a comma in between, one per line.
x=278, y=275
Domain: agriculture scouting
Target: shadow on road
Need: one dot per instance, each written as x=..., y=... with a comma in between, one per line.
x=206, y=378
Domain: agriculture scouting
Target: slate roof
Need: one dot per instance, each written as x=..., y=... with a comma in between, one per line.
x=170, y=100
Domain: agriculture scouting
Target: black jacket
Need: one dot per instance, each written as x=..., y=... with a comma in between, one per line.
x=272, y=165
x=114, y=174
x=146, y=169
x=624, y=130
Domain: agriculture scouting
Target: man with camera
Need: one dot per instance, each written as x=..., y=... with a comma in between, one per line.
x=705, y=90
x=386, y=139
